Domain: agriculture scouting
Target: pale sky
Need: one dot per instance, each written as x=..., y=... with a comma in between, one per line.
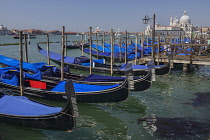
x=79, y=15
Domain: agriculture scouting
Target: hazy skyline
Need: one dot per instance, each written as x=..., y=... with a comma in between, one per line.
x=79, y=15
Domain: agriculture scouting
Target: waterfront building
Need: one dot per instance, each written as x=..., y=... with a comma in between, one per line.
x=4, y=31
x=54, y=32
x=72, y=33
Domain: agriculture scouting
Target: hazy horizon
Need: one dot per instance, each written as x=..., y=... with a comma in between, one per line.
x=79, y=15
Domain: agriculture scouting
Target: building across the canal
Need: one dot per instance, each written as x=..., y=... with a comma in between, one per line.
x=4, y=31
x=177, y=26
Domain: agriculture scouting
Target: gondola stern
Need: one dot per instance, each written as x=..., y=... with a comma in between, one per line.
x=71, y=97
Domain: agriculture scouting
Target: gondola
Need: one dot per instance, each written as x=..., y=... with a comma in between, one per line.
x=51, y=90
x=52, y=73
x=20, y=110
x=118, y=56
x=118, y=53
x=77, y=46
x=83, y=63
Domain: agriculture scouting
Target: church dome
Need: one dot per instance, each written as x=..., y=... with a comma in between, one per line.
x=185, y=18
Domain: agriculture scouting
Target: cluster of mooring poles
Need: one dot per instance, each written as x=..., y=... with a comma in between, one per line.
x=157, y=54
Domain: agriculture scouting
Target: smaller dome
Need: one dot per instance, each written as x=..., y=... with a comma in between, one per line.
x=185, y=18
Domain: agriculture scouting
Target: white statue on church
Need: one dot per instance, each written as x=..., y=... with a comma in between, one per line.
x=174, y=21
x=185, y=13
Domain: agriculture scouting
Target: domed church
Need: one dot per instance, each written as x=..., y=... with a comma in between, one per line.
x=177, y=26
x=184, y=23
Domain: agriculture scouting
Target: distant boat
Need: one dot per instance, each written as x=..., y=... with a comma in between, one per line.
x=77, y=45
x=27, y=36
x=99, y=31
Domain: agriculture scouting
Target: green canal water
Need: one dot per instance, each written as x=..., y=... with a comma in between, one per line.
x=171, y=99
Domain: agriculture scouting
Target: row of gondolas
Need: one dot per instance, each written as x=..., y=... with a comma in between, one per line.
x=43, y=81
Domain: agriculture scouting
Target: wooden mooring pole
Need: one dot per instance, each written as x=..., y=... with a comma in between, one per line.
x=186, y=67
x=90, y=42
x=142, y=45
x=120, y=48
x=26, y=48
x=158, y=53
x=66, y=45
x=21, y=64
x=136, y=49
x=97, y=43
x=112, y=50
x=48, y=50
x=153, y=38
x=126, y=45
x=103, y=41
x=82, y=44
x=62, y=57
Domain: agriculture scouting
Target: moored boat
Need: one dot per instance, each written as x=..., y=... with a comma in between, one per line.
x=83, y=63
x=51, y=90
x=53, y=73
x=30, y=36
x=20, y=110
x=77, y=46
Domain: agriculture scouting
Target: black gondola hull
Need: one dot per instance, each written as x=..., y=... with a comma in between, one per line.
x=116, y=94
x=63, y=119
x=60, y=121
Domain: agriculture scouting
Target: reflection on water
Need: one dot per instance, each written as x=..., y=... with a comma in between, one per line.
x=202, y=99
x=109, y=119
x=109, y=125
x=14, y=132
x=131, y=105
x=175, y=128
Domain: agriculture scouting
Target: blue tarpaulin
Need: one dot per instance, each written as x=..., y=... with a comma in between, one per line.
x=82, y=87
x=34, y=67
x=20, y=105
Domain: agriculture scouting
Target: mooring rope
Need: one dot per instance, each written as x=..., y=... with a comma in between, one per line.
x=9, y=92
